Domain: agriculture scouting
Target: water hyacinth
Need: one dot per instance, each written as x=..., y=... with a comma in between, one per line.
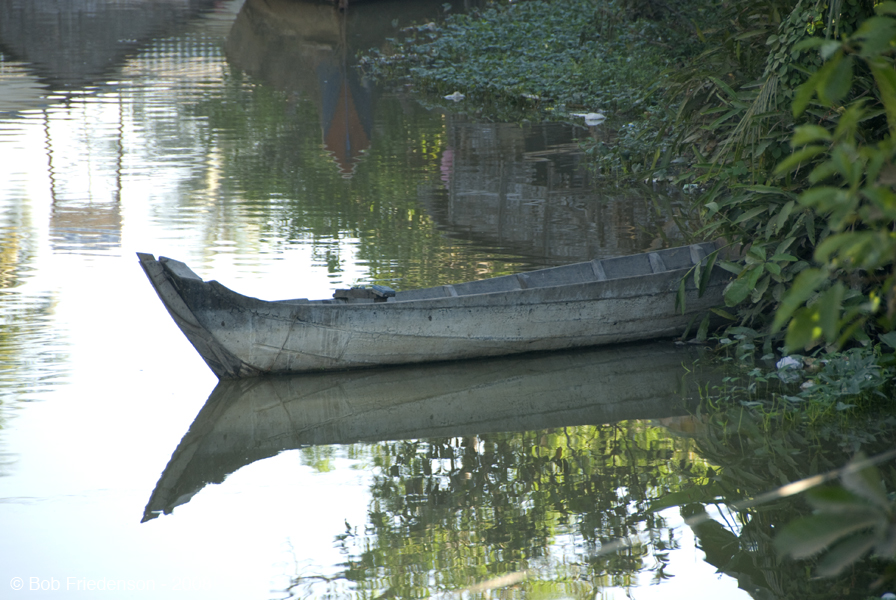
x=536, y=60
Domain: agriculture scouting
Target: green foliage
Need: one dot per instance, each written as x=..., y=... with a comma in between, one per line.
x=753, y=452
x=777, y=233
x=849, y=522
x=731, y=98
x=850, y=171
x=821, y=397
x=537, y=59
x=810, y=209
x=734, y=97
x=843, y=377
x=811, y=387
x=735, y=122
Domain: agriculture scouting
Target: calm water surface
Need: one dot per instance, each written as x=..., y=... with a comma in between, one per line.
x=236, y=137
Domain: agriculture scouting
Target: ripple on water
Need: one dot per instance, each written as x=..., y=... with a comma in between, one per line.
x=20, y=90
x=33, y=346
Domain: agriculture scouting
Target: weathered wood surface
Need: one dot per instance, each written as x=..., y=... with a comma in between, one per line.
x=593, y=303
x=248, y=420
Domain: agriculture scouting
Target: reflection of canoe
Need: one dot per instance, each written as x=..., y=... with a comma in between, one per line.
x=346, y=118
x=248, y=420
x=309, y=49
x=592, y=303
x=303, y=47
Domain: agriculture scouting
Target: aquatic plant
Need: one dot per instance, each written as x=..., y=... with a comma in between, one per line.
x=535, y=59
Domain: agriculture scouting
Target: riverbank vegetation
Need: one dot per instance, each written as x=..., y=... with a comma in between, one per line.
x=779, y=114
x=537, y=60
x=777, y=117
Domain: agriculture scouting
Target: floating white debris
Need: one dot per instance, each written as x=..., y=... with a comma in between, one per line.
x=789, y=369
x=593, y=118
x=789, y=362
x=455, y=97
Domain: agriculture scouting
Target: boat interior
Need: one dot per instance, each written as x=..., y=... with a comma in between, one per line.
x=671, y=259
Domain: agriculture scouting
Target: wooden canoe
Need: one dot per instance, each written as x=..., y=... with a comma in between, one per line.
x=593, y=303
x=244, y=421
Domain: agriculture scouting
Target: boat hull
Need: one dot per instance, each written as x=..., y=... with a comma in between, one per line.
x=587, y=304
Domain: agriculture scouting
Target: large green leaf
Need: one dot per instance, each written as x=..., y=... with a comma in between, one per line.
x=845, y=553
x=804, y=286
x=810, y=535
x=783, y=214
x=799, y=157
x=806, y=134
x=823, y=197
x=829, y=307
x=885, y=8
x=724, y=87
x=681, y=296
x=867, y=484
x=836, y=499
x=876, y=34
x=707, y=272
x=885, y=78
x=803, y=329
x=889, y=339
x=837, y=82
x=749, y=214
x=804, y=93
x=832, y=246
x=737, y=291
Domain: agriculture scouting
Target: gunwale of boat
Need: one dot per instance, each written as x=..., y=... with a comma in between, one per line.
x=599, y=270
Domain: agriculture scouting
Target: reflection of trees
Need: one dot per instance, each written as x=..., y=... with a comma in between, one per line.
x=449, y=513
x=395, y=212
x=13, y=245
x=29, y=349
x=300, y=195
x=530, y=188
x=756, y=454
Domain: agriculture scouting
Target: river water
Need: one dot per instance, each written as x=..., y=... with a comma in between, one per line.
x=239, y=139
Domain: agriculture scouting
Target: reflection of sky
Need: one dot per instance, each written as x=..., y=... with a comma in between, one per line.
x=119, y=164
x=84, y=184
x=689, y=575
